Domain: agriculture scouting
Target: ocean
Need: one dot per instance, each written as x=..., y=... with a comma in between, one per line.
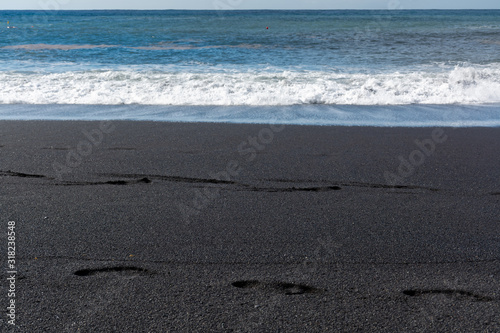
x=380, y=68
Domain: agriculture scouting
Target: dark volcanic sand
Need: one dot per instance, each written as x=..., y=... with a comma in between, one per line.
x=157, y=227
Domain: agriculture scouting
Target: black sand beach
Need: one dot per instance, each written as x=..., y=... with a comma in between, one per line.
x=180, y=227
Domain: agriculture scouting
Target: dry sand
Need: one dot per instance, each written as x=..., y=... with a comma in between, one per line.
x=168, y=227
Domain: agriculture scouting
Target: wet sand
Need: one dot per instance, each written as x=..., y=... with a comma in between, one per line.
x=184, y=227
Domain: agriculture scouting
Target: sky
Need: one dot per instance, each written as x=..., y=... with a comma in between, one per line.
x=249, y=4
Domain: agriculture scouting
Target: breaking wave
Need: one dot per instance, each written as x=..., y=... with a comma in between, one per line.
x=468, y=84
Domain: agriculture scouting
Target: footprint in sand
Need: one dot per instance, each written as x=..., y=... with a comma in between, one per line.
x=276, y=287
x=456, y=294
x=118, y=270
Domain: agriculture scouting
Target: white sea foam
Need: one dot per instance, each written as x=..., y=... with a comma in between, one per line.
x=471, y=84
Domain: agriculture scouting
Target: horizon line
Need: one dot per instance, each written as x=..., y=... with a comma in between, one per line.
x=255, y=9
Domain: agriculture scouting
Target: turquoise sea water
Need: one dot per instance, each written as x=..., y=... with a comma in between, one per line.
x=317, y=67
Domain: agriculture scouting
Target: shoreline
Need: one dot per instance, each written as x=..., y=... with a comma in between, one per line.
x=461, y=116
